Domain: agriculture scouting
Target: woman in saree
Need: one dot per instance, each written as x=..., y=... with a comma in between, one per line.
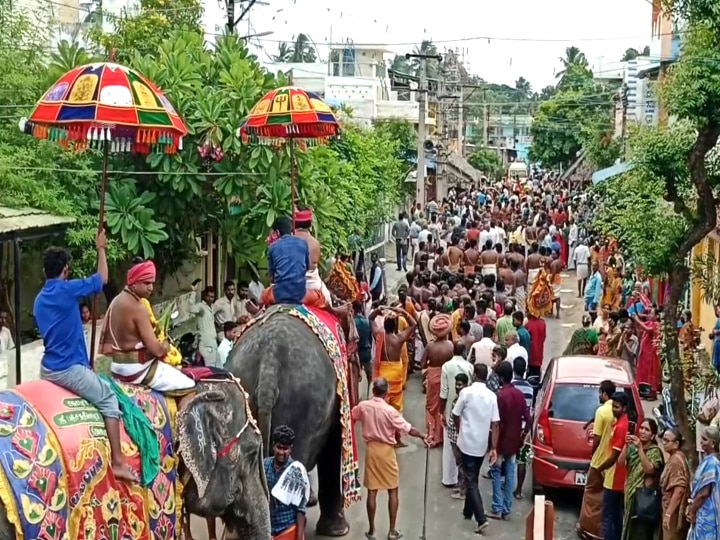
x=584, y=341
x=612, y=290
x=674, y=487
x=644, y=461
x=703, y=511
x=540, y=300
x=715, y=336
x=614, y=337
x=608, y=332
x=648, y=360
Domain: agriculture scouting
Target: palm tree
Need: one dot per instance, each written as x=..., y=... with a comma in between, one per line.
x=523, y=89
x=573, y=57
x=284, y=52
x=300, y=51
x=432, y=66
x=303, y=50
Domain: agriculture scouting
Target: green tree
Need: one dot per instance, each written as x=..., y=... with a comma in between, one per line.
x=523, y=89
x=488, y=162
x=579, y=114
x=432, y=65
x=679, y=163
x=300, y=51
x=574, y=58
x=630, y=54
x=142, y=33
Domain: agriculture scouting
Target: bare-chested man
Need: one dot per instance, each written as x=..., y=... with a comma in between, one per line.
x=416, y=291
x=303, y=222
x=434, y=356
x=455, y=255
x=128, y=337
x=489, y=260
x=532, y=265
x=472, y=256
x=520, y=285
x=388, y=350
x=507, y=277
x=554, y=269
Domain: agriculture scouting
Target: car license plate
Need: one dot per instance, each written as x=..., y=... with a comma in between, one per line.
x=580, y=479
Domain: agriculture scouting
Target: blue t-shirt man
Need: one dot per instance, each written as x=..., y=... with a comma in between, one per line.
x=288, y=261
x=57, y=316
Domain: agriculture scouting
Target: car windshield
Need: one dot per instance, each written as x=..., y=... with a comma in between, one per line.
x=576, y=402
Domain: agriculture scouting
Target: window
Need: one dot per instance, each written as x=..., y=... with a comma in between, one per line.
x=578, y=402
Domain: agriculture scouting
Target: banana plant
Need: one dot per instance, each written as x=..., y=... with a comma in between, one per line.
x=129, y=216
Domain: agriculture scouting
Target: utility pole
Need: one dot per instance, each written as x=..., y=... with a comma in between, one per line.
x=232, y=22
x=624, y=97
x=460, y=126
x=422, y=135
x=486, y=119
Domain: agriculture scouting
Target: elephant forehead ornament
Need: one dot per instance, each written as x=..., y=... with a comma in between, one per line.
x=213, y=392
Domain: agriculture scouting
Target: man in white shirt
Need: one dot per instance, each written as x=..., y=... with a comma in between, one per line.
x=456, y=365
x=481, y=351
x=485, y=235
x=582, y=263
x=230, y=307
x=572, y=243
x=476, y=414
x=514, y=349
x=227, y=342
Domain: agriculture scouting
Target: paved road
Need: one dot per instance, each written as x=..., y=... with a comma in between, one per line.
x=444, y=518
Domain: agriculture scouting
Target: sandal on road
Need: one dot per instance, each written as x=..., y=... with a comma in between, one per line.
x=395, y=535
x=370, y=536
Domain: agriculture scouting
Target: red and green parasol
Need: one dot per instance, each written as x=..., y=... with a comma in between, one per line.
x=290, y=114
x=108, y=106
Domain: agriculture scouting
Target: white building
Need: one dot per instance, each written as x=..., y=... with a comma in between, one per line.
x=640, y=91
x=355, y=77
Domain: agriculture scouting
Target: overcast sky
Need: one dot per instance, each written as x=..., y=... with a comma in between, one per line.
x=522, y=28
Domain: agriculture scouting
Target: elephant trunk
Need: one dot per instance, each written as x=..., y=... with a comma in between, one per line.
x=267, y=394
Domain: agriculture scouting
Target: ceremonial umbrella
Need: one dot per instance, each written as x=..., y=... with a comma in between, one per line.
x=108, y=106
x=293, y=115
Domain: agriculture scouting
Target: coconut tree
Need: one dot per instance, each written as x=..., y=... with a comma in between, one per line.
x=573, y=57
x=432, y=66
x=303, y=50
x=284, y=52
x=523, y=89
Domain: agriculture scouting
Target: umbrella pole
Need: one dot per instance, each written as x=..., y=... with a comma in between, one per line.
x=101, y=224
x=293, y=181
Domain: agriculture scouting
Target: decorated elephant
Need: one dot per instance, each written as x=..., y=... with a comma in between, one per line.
x=56, y=483
x=292, y=362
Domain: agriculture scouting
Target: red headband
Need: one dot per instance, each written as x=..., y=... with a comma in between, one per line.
x=141, y=273
x=303, y=215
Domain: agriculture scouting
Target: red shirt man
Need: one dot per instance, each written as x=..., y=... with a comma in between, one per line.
x=537, y=330
x=514, y=413
x=615, y=475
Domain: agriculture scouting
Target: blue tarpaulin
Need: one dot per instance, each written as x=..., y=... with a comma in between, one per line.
x=610, y=172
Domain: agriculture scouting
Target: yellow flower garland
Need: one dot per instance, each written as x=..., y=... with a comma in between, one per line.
x=173, y=357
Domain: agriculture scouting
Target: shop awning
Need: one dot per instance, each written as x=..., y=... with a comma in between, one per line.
x=611, y=172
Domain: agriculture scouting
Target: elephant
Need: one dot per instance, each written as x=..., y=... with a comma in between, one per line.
x=235, y=485
x=291, y=381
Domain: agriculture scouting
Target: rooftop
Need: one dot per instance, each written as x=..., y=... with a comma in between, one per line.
x=592, y=370
x=24, y=222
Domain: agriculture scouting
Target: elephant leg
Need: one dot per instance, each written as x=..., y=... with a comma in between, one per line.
x=313, y=500
x=332, y=520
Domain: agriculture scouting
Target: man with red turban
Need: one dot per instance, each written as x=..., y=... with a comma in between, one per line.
x=128, y=337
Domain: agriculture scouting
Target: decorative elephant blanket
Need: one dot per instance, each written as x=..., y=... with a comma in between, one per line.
x=55, y=479
x=328, y=330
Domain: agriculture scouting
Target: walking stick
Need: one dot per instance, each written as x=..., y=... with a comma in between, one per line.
x=425, y=492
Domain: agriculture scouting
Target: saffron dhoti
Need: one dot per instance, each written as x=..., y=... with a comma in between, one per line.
x=288, y=534
x=591, y=512
x=433, y=411
x=381, y=467
x=393, y=373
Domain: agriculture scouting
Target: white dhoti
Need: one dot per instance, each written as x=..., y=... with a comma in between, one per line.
x=520, y=298
x=314, y=283
x=449, y=467
x=583, y=271
x=166, y=378
x=419, y=349
x=571, y=258
x=533, y=273
x=489, y=269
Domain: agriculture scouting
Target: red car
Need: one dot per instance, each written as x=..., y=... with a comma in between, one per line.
x=565, y=407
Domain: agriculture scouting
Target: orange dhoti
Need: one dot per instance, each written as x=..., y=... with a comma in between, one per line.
x=313, y=298
x=392, y=372
x=433, y=412
x=288, y=534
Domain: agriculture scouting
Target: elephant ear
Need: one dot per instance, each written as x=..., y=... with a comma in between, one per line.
x=196, y=434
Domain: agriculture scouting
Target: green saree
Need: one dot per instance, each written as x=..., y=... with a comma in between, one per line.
x=633, y=528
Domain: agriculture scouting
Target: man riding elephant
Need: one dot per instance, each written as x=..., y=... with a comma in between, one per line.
x=128, y=337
